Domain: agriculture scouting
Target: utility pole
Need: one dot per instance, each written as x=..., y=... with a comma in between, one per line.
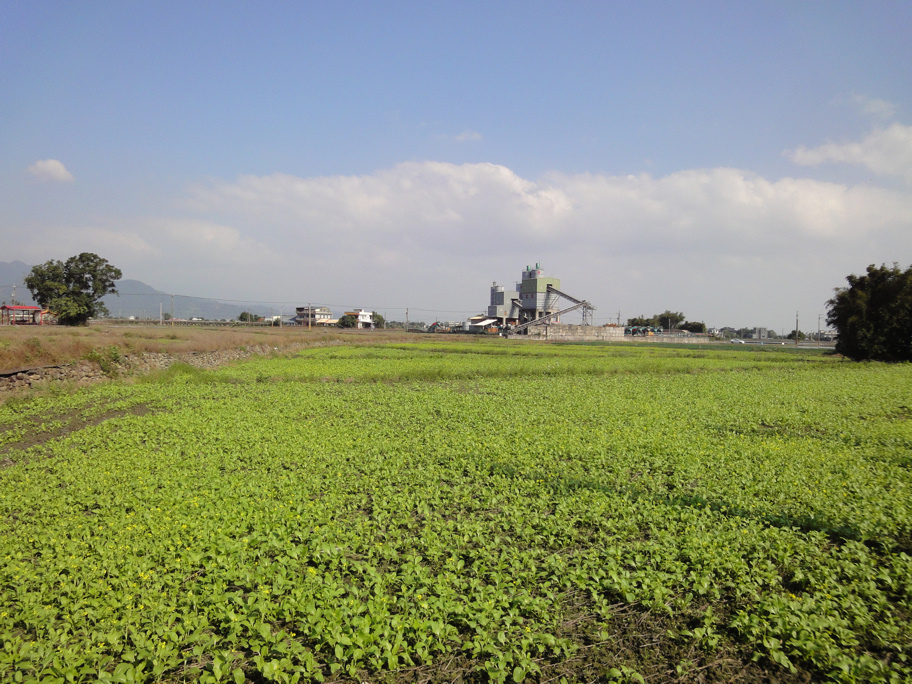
x=619, y=319
x=796, y=329
x=310, y=315
x=172, y=311
x=13, y=298
x=406, y=319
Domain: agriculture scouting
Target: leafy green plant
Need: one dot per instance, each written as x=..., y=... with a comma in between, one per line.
x=107, y=359
x=512, y=512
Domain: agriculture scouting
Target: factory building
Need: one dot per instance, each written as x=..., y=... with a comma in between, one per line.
x=534, y=296
x=533, y=308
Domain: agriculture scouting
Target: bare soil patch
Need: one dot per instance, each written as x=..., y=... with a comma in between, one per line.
x=33, y=435
x=31, y=346
x=32, y=357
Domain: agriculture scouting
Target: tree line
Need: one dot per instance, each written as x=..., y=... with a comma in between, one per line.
x=667, y=320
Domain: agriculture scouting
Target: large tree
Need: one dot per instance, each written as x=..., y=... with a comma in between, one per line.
x=873, y=315
x=73, y=289
x=667, y=319
x=693, y=326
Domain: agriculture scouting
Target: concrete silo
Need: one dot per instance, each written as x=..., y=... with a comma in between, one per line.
x=504, y=306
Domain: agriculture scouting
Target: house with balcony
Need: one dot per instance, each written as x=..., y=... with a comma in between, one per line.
x=312, y=316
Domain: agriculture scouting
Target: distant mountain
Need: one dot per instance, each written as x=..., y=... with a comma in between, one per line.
x=134, y=298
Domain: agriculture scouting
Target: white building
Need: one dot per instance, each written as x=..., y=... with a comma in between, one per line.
x=365, y=318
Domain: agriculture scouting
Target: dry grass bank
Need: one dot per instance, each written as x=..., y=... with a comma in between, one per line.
x=33, y=346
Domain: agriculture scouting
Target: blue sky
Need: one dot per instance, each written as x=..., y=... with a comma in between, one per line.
x=733, y=161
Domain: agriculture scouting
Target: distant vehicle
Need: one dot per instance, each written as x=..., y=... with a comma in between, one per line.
x=737, y=341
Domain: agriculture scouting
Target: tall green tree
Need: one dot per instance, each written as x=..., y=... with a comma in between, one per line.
x=73, y=289
x=873, y=315
x=348, y=321
x=377, y=321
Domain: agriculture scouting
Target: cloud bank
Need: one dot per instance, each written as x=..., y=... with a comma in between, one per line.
x=884, y=151
x=469, y=209
x=50, y=170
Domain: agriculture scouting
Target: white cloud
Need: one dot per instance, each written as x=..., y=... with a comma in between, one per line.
x=434, y=205
x=885, y=151
x=471, y=208
x=206, y=258
x=124, y=248
x=208, y=241
x=874, y=107
x=50, y=170
x=208, y=250
x=467, y=136
x=116, y=243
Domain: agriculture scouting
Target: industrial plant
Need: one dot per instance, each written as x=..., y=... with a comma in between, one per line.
x=533, y=309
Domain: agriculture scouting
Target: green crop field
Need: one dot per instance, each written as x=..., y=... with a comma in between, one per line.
x=475, y=511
